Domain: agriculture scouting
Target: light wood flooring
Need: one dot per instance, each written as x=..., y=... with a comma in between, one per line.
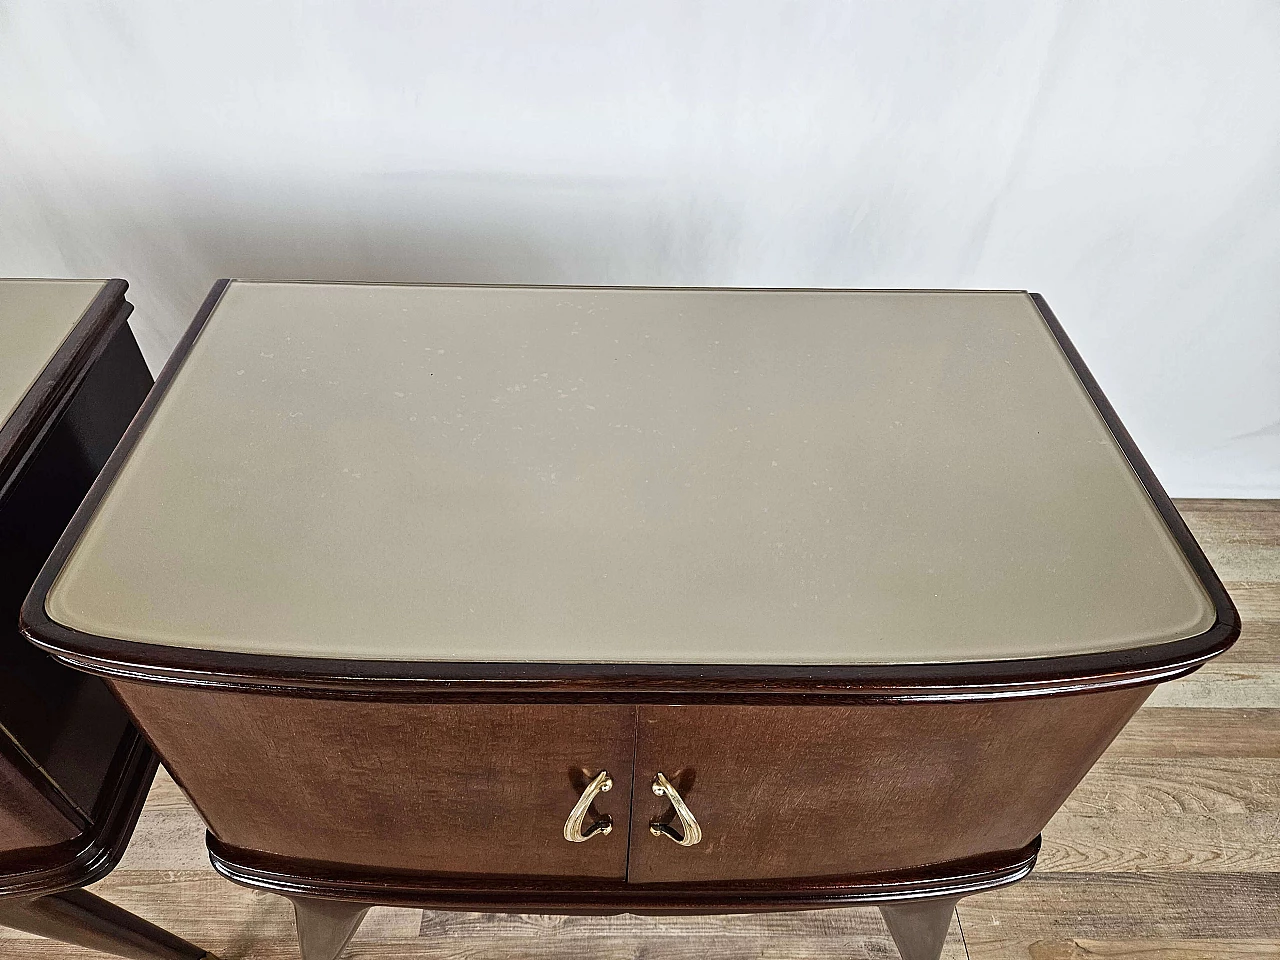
x=1170, y=848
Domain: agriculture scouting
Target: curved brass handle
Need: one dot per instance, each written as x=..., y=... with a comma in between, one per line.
x=692, y=832
x=573, y=831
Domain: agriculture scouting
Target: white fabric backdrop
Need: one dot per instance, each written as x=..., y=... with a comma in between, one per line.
x=1123, y=159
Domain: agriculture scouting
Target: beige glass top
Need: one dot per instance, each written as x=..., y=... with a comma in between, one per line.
x=35, y=318
x=559, y=474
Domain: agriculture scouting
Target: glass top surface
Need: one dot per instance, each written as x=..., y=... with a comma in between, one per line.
x=35, y=318
x=449, y=473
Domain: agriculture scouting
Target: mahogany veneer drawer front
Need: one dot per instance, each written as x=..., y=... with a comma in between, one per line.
x=484, y=789
x=823, y=791
x=428, y=787
x=591, y=600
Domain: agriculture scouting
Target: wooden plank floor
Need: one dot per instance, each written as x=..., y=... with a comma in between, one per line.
x=1170, y=848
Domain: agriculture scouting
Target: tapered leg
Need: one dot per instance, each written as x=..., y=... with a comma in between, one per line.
x=77, y=916
x=919, y=927
x=325, y=926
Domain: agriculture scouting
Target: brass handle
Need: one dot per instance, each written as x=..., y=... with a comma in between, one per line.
x=573, y=831
x=692, y=832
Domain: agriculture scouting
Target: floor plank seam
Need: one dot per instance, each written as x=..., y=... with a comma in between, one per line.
x=960, y=926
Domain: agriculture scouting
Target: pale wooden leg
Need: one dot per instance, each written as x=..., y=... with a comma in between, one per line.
x=79, y=917
x=325, y=926
x=919, y=927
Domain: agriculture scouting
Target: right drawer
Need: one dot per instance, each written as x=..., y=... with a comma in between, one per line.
x=814, y=791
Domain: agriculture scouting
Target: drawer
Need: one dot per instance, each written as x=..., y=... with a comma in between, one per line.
x=834, y=791
x=486, y=789
x=434, y=788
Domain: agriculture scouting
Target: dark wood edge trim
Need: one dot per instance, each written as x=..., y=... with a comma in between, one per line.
x=463, y=892
x=93, y=854
x=40, y=780
x=574, y=683
x=39, y=409
x=490, y=682
x=1226, y=627
x=41, y=870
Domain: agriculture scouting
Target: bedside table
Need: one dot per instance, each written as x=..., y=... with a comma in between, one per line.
x=74, y=771
x=646, y=600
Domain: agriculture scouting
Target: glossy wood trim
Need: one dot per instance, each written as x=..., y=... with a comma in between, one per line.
x=42, y=405
x=1226, y=628
x=497, y=682
x=93, y=854
x=298, y=878
x=40, y=781
x=38, y=871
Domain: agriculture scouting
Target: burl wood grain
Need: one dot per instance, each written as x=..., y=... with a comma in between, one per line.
x=426, y=787
x=815, y=791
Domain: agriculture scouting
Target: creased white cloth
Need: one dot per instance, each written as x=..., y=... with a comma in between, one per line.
x=1122, y=159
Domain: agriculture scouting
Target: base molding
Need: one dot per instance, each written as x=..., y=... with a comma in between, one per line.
x=93, y=854
x=567, y=895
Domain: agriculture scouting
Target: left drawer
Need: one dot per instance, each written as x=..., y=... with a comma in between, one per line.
x=478, y=789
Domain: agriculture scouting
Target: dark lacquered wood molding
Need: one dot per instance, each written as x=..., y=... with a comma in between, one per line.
x=570, y=895
x=12, y=753
x=43, y=870
x=44, y=402
x=633, y=682
x=93, y=854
